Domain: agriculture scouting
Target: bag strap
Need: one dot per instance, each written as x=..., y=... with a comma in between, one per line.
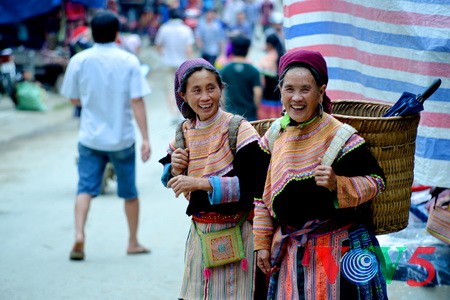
x=238, y=224
x=342, y=135
x=233, y=130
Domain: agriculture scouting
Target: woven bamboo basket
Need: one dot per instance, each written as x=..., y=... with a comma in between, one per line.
x=392, y=141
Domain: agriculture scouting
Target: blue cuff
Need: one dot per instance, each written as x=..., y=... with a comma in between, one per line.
x=215, y=195
x=166, y=175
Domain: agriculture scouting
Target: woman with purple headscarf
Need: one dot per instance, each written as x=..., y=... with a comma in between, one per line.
x=217, y=175
x=311, y=213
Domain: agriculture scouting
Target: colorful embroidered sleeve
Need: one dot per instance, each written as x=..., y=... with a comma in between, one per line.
x=225, y=190
x=353, y=191
x=262, y=226
x=359, y=176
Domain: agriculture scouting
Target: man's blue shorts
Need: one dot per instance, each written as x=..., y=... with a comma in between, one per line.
x=91, y=166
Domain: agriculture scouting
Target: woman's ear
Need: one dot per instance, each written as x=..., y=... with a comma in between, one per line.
x=322, y=89
x=182, y=95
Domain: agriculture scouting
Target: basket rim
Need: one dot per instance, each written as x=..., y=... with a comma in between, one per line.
x=366, y=117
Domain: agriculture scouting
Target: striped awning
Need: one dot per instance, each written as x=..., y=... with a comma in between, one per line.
x=376, y=50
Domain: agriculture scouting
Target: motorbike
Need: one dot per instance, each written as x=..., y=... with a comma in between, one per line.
x=8, y=74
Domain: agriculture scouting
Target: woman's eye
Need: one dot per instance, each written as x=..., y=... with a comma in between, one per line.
x=305, y=91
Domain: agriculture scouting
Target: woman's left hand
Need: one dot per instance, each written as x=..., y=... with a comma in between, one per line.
x=185, y=184
x=325, y=176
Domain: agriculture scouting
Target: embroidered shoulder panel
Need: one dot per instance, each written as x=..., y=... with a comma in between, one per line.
x=296, y=152
x=209, y=150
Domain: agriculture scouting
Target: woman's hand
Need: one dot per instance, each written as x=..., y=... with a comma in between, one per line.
x=186, y=184
x=263, y=260
x=325, y=176
x=179, y=160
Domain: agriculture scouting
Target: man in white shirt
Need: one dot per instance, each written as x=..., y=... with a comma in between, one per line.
x=174, y=40
x=106, y=81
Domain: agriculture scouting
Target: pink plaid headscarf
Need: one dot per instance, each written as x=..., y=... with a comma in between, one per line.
x=181, y=72
x=314, y=60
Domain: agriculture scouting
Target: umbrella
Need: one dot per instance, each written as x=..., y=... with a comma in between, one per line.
x=409, y=104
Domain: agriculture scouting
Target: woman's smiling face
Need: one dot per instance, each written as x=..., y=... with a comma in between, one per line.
x=203, y=93
x=300, y=94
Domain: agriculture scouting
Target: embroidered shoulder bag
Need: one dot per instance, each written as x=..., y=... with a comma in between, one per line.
x=223, y=246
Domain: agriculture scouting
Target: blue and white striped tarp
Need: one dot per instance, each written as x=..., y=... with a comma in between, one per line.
x=376, y=50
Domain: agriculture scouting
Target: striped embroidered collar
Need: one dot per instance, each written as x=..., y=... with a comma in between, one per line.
x=287, y=121
x=211, y=121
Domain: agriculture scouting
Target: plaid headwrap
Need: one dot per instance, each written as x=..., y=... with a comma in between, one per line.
x=313, y=60
x=180, y=74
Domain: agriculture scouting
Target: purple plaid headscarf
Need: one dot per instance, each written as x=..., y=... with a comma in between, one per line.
x=314, y=60
x=181, y=72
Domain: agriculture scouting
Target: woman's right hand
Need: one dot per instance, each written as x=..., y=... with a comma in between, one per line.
x=179, y=160
x=263, y=260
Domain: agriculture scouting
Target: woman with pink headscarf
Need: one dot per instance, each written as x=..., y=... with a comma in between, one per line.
x=312, y=223
x=217, y=176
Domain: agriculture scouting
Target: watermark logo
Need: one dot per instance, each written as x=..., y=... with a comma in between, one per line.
x=388, y=268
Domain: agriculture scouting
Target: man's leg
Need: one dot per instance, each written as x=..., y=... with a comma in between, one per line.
x=125, y=167
x=91, y=166
x=132, y=213
x=82, y=204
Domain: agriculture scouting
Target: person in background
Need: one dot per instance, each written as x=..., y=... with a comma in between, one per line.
x=132, y=10
x=131, y=42
x=244, y=90
x=270, y=106
x=218, y=183
x=276, y=26
x=210, y=36
x=230, y=11
x=106, y=81
x=308, y=208
x=174, y=40
x=266, y=9
x=251, y=9
x=242, y=26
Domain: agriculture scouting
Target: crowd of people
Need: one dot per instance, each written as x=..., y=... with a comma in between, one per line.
x=224, y=38
x=260, y=206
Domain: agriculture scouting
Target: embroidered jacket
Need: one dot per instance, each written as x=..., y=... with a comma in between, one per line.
x=233, y=177
x=291, y=197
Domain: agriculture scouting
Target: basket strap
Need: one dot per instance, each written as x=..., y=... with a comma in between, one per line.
x=233, y=129
x=179, y=137
x=274, y=132
x=342, y=135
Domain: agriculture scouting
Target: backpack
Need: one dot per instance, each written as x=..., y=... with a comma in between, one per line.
x=233, y=129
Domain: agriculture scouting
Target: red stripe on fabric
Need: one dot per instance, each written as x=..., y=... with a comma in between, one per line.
x=344, y=95
x=379, y=15
x=432, y=119
x=382, y=61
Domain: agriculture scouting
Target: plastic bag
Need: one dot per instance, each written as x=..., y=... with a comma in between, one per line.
x=30, y=96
